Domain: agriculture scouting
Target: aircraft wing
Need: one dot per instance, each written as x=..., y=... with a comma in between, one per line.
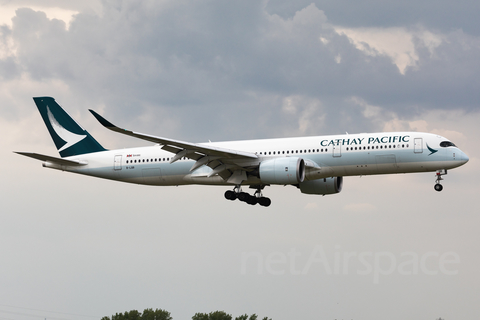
x=59, y=161
x=223, y=161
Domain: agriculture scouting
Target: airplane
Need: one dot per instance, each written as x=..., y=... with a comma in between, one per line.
x=315, y=165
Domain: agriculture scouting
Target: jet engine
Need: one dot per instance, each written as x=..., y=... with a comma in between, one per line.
x=322, y=186
x=287, y=170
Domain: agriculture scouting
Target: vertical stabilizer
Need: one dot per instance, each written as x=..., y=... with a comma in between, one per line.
x=69, y=137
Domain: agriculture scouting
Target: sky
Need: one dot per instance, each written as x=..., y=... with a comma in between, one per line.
x=386, y=247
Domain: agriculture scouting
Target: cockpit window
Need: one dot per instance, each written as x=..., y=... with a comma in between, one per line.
x=447, y=144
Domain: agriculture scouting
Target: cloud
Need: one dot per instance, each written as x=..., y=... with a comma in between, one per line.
x=190, y=61
x=443, y=16
x=9, y=11
x=200, y=70
x=396, y=43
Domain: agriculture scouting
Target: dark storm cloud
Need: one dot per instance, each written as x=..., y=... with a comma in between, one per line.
x=234, y=68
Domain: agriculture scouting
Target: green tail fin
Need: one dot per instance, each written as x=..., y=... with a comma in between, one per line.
x=69, y=137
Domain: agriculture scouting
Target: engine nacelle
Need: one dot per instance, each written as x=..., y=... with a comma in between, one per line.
x=322, y=186
x=287, y=170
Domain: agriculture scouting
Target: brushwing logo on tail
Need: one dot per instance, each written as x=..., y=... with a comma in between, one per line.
x=69, y=137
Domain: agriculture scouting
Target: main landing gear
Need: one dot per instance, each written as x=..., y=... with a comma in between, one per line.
x=439, y=174
x=257, y=197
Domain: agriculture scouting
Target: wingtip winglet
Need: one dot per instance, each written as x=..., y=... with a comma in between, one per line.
x=104, y=122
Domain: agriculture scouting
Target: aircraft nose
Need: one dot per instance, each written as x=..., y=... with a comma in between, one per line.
x=463, y=157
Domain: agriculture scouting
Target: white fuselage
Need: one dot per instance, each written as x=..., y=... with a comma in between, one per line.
x=335, y=155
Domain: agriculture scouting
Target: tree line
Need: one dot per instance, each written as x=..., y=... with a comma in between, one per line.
x=160, y=314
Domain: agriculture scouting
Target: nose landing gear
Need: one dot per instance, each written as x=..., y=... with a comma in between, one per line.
x=439, y=174
x=257, y=197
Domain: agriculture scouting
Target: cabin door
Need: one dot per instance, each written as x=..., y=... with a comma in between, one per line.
x=117, y=163
x=337, y=150
x=418, y=145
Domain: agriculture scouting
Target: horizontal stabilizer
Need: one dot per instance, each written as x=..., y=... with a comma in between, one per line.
x=59, y=161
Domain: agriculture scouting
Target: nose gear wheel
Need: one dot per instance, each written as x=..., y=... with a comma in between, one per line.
x=438, y=175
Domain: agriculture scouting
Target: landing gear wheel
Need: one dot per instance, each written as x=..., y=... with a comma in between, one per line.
x=438, y=175
x=252, y=200
x=264, y=202
x=230, y=195
x=243, y=196
x=257, y=197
